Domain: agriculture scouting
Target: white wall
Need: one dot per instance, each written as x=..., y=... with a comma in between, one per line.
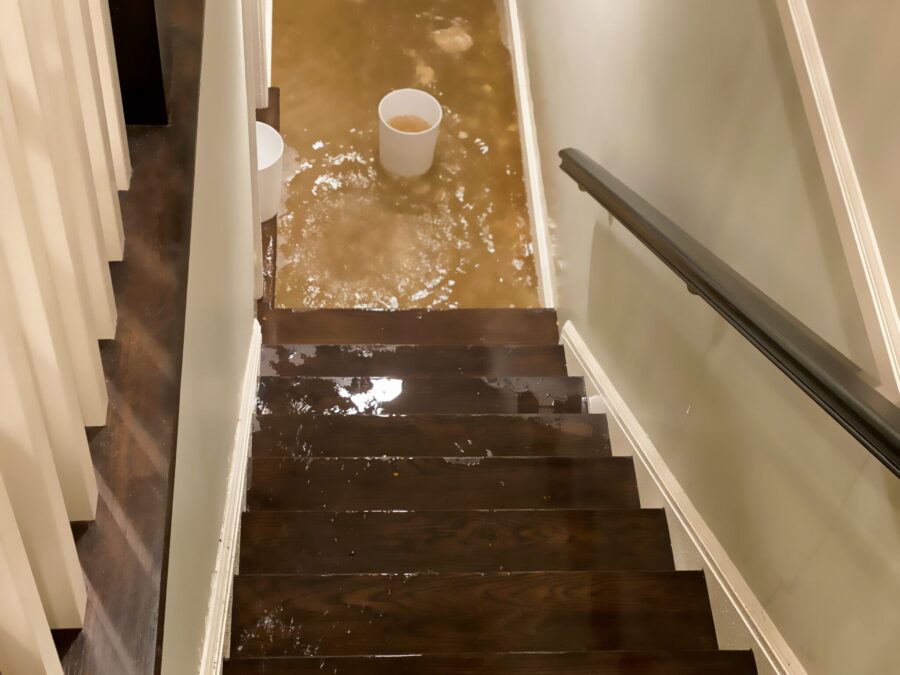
x=860, y=45
x=220, y=315
x=693, y=104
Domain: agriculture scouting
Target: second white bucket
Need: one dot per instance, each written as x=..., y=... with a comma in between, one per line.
x=269, y=153
x=406, y=153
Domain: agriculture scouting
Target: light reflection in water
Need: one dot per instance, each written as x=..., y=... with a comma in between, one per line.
x=352, y=236
x=381, y=390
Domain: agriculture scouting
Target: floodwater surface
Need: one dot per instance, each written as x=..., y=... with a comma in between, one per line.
x=351, y=235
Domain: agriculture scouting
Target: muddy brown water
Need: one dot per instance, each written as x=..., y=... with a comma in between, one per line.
x=409, y=124
x=351, y=235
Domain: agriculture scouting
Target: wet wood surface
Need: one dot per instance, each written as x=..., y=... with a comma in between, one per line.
x=386, y=396
x=448, y=613
x=454, y=541
x=431, y=436
x=337, y=484
x=406, y=360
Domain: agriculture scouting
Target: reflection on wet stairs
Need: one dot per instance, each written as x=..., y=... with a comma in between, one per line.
x=428, y=496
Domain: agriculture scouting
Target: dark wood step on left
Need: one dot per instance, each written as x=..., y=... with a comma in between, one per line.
x=428, y=495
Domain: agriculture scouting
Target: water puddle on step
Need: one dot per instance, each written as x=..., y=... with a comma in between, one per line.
x=351, y=235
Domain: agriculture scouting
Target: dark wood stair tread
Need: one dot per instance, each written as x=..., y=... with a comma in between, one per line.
x=415, y=326
x=581, y=663
x=426, y=435
x=339, y=484
x=390, y=396
x=447, y=613
x=405, y=360
x=453, y=541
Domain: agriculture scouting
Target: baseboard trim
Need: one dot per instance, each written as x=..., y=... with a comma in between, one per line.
x=743, y=623
x=216, y=630
x=531, y=154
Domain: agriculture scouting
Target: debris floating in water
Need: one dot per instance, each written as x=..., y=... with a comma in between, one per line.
x=453, y=40
x=351, y=236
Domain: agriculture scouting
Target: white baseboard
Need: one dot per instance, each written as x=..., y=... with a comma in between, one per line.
x=215, y=633
x=531, y=154
x=741, y=621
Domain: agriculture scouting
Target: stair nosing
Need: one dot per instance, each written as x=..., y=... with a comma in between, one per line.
x=480, y=575
x=562, y=509
x=429, y=345
x=414, y=415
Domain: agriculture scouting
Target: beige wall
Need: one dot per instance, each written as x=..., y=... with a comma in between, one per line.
x=860, y=42
x=220, y=312
x=693, y=104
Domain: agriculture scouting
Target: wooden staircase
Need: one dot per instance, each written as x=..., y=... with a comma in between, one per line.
x=428, y=496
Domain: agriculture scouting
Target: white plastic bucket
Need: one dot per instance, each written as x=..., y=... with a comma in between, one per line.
x=269, y=151
x=405, y=153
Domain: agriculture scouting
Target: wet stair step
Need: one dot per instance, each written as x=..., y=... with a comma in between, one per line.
x=582, y=663
x=453, y=541
x=337, y=484
x=427, y=495
x=448, y=613
x=415, y=326
x=431, y=436
x=390, y=396
x=406, y=360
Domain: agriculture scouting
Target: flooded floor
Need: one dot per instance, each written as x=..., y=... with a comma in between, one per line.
x=351, y=235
